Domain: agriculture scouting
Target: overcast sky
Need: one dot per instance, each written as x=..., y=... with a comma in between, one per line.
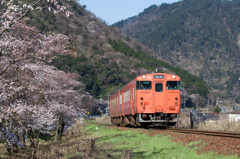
x=115, y=10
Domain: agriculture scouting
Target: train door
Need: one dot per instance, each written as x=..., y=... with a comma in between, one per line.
x=158, y=97
x=173, y=96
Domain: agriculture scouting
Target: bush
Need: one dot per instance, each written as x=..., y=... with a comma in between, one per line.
x=217, y=110
x=104, y=119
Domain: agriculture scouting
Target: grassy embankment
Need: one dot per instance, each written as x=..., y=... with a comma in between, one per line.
x=103, y=142
x=137, y=144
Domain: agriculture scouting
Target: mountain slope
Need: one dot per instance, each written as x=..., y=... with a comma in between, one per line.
x=106, y=58
x=201, y=36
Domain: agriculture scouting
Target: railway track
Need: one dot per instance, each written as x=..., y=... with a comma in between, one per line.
x=209, y=133
x=192, y=131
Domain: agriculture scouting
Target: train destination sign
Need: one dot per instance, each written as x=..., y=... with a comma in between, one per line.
x=159, y=76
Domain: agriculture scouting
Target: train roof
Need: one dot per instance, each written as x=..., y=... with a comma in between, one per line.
x=150, y=76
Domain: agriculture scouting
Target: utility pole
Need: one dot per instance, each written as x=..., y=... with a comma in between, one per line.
x=197, y=103
x=90, y=105
x=101, y=99
x=212, y=103
x=108, y=105
x=207, y=104
x=184, y=103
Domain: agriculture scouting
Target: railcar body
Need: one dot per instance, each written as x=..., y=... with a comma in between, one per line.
x=150, y=99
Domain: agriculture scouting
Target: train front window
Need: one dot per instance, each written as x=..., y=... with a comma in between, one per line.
x=173, y=85
x=158, y=87
x=144, y=85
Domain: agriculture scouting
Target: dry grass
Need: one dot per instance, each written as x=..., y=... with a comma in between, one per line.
x=222, y=124
x=183, y=121
x=77, y=142
x=104, y=120
x=77, y=127
x=74, y=143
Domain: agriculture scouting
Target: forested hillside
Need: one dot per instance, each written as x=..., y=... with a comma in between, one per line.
x=201, y=36
x=105, y=58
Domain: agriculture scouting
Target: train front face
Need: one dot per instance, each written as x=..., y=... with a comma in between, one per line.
x=158, y=99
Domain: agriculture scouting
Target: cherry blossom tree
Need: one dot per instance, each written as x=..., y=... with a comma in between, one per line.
x=40, y=98
x=33, y=96
x=23, y=43
x=16, y=10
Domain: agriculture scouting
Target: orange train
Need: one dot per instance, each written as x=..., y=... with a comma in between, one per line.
x=150, y=99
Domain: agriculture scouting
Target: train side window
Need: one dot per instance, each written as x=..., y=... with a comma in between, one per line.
x=114, y=102
x=133, y=93
x=158, y=87
x=121, y=99
x=127, y=96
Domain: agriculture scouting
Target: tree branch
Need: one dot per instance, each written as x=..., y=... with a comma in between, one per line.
x=10, y=63
x=27, y=11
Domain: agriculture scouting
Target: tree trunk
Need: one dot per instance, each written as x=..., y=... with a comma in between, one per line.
x=60, y=131
x=23, y=137
x=15, y=146
x=34, y=153
x=56, y=135
x=60, y=128
x=31, y=138
x=7, y=147
x=38, y=134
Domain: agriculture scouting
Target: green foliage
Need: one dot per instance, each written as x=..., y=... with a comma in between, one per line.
x=46, y=21
x=149, y=9
x=103, y=60
x=98, y=77
x=102, y=75
x=238, y=99
x=195, y=83
x=233, y=81
x=217, y=110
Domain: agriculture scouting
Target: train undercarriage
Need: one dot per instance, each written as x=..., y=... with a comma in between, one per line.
x=146, y=120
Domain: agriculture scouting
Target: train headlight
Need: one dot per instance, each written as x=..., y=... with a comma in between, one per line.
x=143, y=76
x=174, y=77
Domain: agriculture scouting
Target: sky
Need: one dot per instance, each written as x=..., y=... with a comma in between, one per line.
x=113, y=11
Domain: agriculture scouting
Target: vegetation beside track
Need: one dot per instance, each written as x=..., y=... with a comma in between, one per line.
x=138, y=144
x=99, y=141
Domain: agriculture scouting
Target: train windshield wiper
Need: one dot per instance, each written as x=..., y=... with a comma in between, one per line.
x=143, y=87
x=170, y=87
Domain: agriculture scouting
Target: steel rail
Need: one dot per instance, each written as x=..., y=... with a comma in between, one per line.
x=209, y=133
x=190, y=131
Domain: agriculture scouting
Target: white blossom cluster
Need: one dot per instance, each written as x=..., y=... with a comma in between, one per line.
x=33, y=95
x=46, y=95
x=24, y=43
x=16, y=10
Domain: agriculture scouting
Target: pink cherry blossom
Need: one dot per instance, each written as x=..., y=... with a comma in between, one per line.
x=16, y=11
x=32, y=94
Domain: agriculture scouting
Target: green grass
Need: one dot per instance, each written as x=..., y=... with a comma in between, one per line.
x=144, y=146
